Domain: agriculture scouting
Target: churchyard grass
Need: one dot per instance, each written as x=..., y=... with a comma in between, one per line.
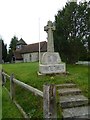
x=9, y=109
x=27, y=73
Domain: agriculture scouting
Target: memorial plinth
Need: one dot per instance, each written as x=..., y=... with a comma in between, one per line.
x=51, y=61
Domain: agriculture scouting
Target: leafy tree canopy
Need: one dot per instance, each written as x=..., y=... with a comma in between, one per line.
x=4, y=50
x=72, y=31
x=13, y=43
x=12, y=47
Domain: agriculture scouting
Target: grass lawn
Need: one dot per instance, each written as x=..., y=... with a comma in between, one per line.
x=27, y=73
x=9, y=110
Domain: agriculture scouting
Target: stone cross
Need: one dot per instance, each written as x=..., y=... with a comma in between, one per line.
x=49, y=29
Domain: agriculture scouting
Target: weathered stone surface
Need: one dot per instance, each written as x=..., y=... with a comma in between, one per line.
x=85, y=116
x=52, y=68
x=68, y=85
x=74, y=105
x=51, y=62
x=50, y=58
x=73, y=101
x=77, y=112
x=66, y=91
x=49, y=28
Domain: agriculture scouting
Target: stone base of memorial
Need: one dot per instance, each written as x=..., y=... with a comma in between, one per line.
x=51, y=63
x=51, y=69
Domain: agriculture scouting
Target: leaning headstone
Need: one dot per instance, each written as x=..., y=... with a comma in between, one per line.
x=51, y=61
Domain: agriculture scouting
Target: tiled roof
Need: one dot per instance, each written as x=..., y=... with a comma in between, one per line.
x=35, y=47
x=30, y=49
x=21, y=42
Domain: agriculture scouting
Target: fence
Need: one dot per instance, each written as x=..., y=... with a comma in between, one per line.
x=48, y=95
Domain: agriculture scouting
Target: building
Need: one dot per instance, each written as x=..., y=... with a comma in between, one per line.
x=29, y=53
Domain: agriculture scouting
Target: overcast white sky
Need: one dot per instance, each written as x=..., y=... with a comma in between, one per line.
x=21, y=18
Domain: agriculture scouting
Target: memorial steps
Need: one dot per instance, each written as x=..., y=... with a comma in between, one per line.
x=73, y=103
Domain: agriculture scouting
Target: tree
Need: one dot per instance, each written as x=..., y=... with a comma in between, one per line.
x=84, y=27
x=70, y=36
x=13, y=43
x=12, y=47
x=88, y=35
x=4, y=50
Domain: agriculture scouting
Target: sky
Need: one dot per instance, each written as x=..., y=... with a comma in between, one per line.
x=26, y=18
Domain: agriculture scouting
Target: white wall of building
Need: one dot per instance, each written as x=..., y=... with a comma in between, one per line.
x=26, y=57
x=34, y=57
x=31, y=57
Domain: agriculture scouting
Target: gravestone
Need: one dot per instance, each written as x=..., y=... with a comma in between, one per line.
x=51, y=61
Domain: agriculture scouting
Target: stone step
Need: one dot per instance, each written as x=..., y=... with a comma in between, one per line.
x=66, y=91
x=73, y=101
x=76, y=112
x=67, y=85
x=85, y=116
x=82, y=117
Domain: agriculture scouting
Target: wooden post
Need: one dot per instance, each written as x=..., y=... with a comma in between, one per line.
x=49, y=102
x=12, y=87
x=3, y=80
